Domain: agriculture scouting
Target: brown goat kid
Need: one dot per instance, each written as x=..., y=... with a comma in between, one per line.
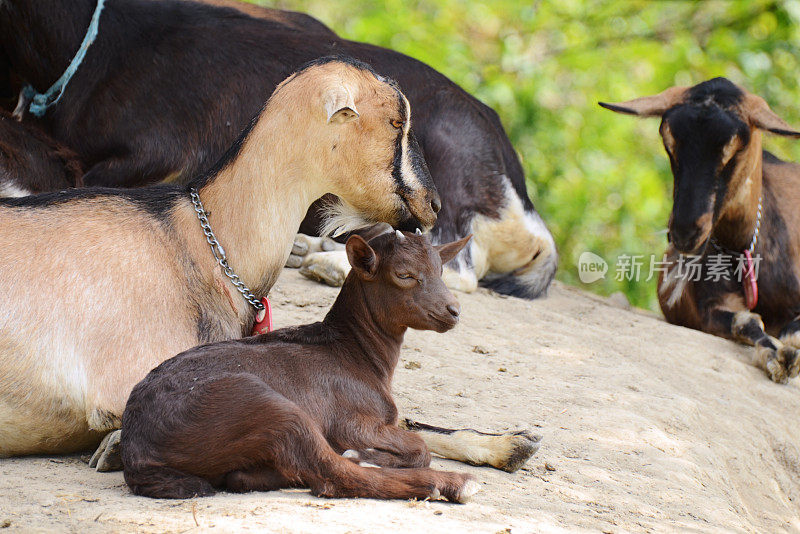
x=304, y=406
x=730, y=198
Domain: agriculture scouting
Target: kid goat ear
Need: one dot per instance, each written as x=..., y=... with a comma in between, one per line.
x=448, y=251
x=362, y=257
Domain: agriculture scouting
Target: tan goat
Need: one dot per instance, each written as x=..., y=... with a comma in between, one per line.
x=98, y=286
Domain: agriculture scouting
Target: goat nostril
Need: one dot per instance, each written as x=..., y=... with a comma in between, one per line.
x=454, y=310
x=436, y=205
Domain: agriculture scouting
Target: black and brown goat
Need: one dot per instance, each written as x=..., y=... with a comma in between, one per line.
x=730, y=196
x=167, y=85
x=31, y=162
x=114, y=281
x=304, y=406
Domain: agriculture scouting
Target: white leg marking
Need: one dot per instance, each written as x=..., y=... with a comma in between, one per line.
x=517, y=243
x=673, y=285
x=504, y=451
x=329, y=267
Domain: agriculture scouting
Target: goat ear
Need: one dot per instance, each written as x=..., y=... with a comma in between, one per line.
x=762, y=117
x=448, y=251
x=649, y=106
x=362, y=257
x=339, y=105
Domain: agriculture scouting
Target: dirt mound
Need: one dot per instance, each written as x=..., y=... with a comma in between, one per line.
x=646, y=426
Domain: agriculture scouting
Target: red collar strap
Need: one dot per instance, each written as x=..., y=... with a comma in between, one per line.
x=263, y=319
x=749, y=282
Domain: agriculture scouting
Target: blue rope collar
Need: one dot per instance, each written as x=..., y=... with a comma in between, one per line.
x=40, y=102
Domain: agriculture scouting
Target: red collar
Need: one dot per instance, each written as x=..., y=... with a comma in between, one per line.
x=749, y=282
x=263, y=319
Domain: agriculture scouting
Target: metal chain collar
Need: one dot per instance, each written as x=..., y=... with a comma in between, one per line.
x=219, y=252
x=758, y=228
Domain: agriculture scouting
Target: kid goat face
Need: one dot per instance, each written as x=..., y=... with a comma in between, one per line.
x=403, y=273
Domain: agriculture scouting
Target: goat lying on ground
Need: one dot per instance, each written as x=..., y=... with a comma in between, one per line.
x=31, y=162
x=278, y=410
x=116, y=281
x=731, y=199
x=167, y=85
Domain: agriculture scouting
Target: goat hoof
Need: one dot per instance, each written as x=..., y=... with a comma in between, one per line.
x=299, y=247
x=294, y=261
x=776, y=370
x=469, y=489
x=308, y=244
x=521, y=446
x=790, y=356
x=329, y=244
x=327, y=267
x=107, y=457
x=352, y=455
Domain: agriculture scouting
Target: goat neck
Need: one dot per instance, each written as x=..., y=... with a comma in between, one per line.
x=40, y=37
x=257, y=200
x=366, y=322
x=738, y=212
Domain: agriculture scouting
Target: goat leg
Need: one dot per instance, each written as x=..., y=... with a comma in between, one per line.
x=770, y=354
x=311, y=462
x=508, y=451
x=107, y=456
x=328, y=267
x=385, y=446
x=307, y=245
x=258, y=479
x=335, y=476
x=790, y=336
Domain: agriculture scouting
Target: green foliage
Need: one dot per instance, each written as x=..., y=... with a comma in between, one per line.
x=601, y=180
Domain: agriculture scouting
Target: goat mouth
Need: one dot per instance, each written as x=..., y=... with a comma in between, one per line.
x=411, y=221
x=447, y=322
x=408, y=222
x=698, y=250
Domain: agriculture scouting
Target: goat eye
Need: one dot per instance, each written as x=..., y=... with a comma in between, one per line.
x=406, y=276
x=397, y=123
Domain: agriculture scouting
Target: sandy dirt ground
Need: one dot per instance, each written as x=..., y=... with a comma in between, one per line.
x=647, y=428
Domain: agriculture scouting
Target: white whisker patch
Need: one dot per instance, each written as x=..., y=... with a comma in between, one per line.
x=12, y=190
x=339, y=217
